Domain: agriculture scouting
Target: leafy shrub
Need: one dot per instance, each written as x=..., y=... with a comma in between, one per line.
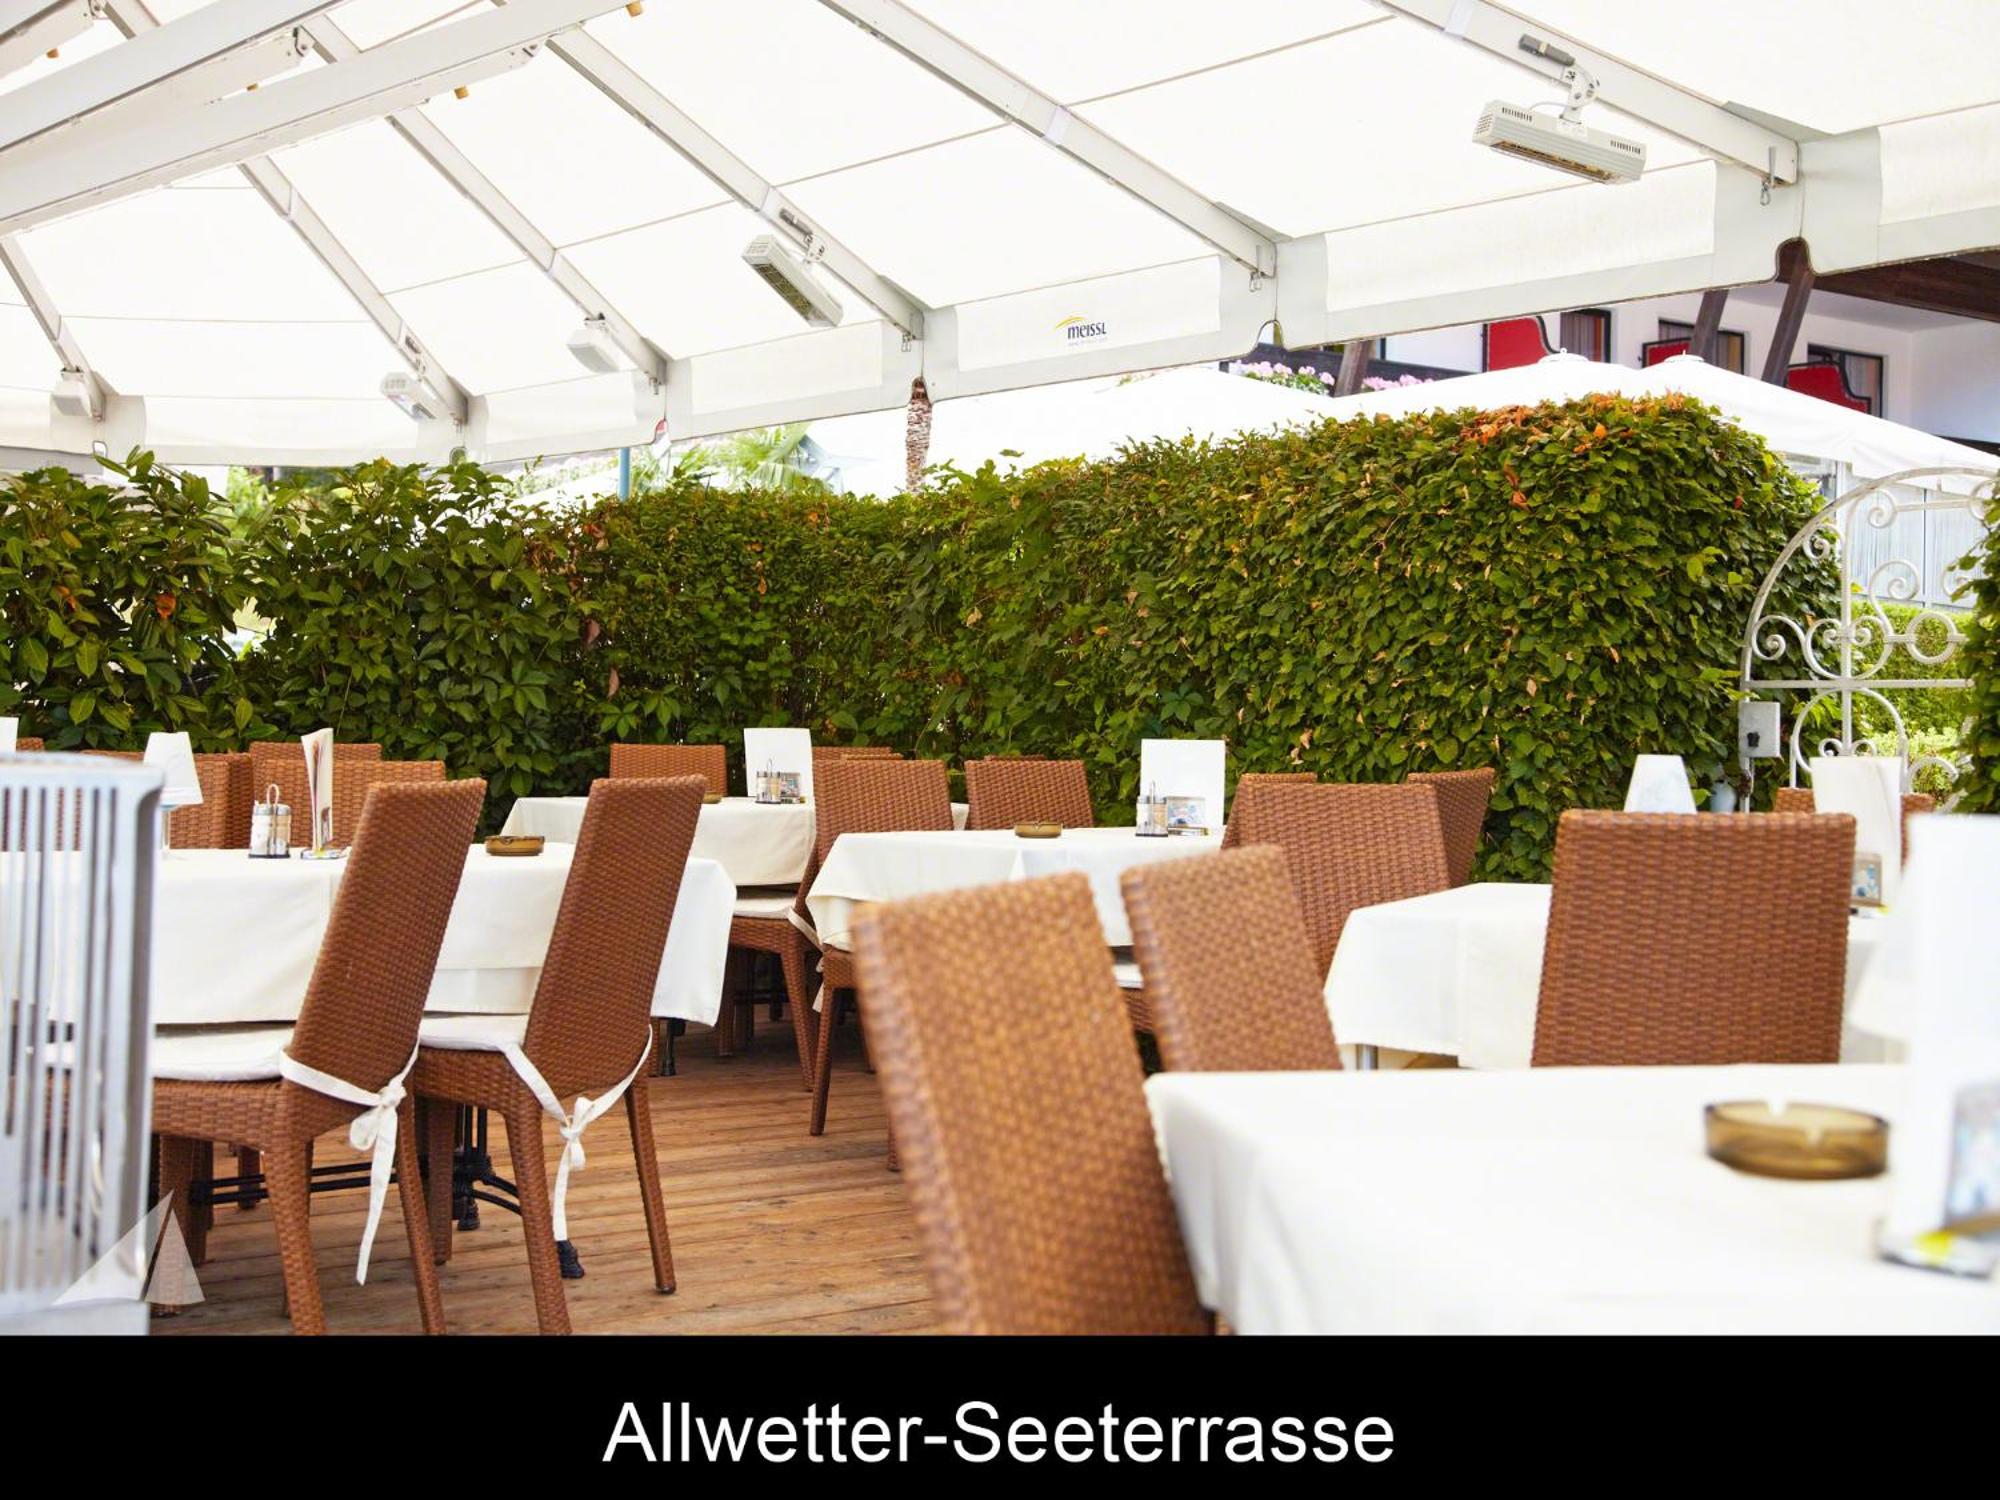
x=116, y=602
x=1548, y=590
x=1981, y=787
x=429, y=610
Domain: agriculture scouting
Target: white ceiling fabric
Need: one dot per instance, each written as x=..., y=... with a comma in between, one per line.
x=1004, y=196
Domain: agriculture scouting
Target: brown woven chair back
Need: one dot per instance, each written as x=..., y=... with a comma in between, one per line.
x=709, y=762
x=1040, y=1202
x=875, y=795
x=1231, y=839
x=822, y=754
x=1015, y=789
x=1348, y=846
x=352, y=781
x=594, y=1002
x=221, y=820
x=366, y=999
x=1683, y=938
x=277, y=750
x=1228, y=967
x=1462, y=799
x=28, y=744
x=1799, y=799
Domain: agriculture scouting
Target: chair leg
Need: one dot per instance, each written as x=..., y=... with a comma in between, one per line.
x=203, y=1178
x=798, y=1000
x=249, y=1162
x=288, y=1173
x=417, y=1220
x=177, y=1161
x=538, y=1223
x=646, y=1156
x=439, y=1122
x=823, y=1060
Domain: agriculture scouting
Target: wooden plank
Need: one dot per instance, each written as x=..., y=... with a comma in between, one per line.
x=1354, y=357
x=1966, y=286
x=1795, y=270
x=1708, y=324
x=773, y=1230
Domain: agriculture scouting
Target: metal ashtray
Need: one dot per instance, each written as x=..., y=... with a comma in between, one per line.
x=514, y=845
x=1811, y=1142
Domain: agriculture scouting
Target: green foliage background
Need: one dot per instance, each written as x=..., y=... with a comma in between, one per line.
x=1548, y=590
x=1981, y=787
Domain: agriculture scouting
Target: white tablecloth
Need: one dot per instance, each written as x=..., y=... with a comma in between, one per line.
x=893, y=866
x=235, y=938
x=1459, y=972
x=758, y=844
x=1563, y=1199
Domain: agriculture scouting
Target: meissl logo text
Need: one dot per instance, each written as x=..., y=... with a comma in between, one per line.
x=1076, y=327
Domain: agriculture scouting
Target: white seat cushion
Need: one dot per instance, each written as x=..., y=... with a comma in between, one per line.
x=764, y=900
x=1128, y=975
x=218, y=1054
x=483, y=1033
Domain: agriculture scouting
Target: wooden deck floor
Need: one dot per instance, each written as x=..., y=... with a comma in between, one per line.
x=773, y=1231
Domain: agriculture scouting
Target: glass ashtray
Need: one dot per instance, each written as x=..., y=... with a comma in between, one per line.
x=1810, y=1142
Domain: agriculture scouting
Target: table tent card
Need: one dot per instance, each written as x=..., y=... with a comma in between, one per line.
x=1659, y=785
x=1870, y=789
x=318, y=747
x=174, y=755
x=9, y=728
x=1944, y=1152
x=1187, y=774
x=784, y=752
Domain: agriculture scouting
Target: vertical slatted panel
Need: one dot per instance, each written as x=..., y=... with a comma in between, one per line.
x=78, y=843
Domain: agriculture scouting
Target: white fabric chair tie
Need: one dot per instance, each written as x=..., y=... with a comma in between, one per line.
x=373, y=1131
x=572, y=1123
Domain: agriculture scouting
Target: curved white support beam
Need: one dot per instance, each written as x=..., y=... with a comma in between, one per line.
x=43, y=306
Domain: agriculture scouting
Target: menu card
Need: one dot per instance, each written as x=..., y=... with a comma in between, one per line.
x=1188, y=774
x=788, y=752
x=1659, y=785
x=174, y=755
x=318, y=747
x=1944, y=1149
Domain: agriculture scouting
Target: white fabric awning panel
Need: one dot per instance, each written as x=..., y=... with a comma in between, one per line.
x=998, y=196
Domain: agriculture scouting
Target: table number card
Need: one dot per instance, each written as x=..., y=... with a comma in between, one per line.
x=1659, y=785
x=1188, y=773
x=1944, y=1152
x=787, y=752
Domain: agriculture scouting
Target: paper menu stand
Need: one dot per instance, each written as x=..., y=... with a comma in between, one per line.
x=1187, y=775
x=9, y=729
x=1659, y=785
x=784, y=752
x=1869, y=788
x=1944, y=1148
x=318, y=748
x=174, y=755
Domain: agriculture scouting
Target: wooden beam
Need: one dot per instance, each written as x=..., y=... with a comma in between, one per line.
x=1795, y=270
x=1354, y=356
x=1708, y=324
x=1962, y=286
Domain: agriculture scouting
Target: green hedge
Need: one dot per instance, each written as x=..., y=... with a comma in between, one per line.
x=1549, y=590
x=1981, y=652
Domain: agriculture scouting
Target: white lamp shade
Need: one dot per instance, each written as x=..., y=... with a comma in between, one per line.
x=1659, y=785
x=9, y=728
x=174, y=755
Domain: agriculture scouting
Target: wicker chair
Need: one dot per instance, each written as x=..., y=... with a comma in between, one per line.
x=824, y=754
x=1677, y=938
x=1231, y=839
x=1462, y=799
x=270, y=752
x=28, y=744
x=1348, y=846
x=352, y=781
x=709, y=762
x=1015, y=789
x=1040, y=1201
x=1799, y=799
x=358, y=1025
x=1228, y=966
x=589, y=1026
x=221, y=820
x=863, y=797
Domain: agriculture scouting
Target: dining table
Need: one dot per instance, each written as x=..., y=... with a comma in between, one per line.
x=756, y=843
x=235, y=938
x=866, y=867
x=1458, y=973
x=1551, y=1200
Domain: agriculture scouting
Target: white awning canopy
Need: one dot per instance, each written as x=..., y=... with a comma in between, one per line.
x=222, y=224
